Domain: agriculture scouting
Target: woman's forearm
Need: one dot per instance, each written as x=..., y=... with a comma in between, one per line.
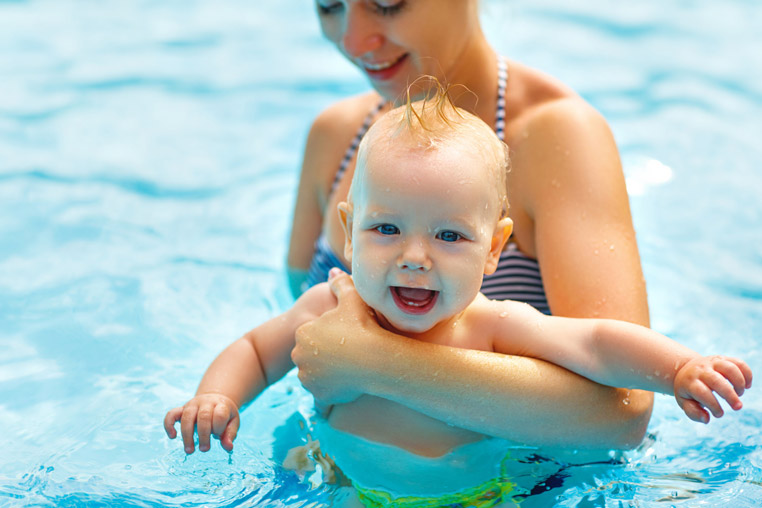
x=515, y=398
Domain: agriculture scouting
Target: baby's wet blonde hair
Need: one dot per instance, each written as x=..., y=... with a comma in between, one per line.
x=427, y=123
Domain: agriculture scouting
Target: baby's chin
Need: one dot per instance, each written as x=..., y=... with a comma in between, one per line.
x=404, y=327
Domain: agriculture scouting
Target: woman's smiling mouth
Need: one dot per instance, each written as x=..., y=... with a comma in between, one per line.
x=414, y=301
x=383, y=70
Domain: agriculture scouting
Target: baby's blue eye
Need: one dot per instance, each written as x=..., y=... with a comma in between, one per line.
x=449, y=236
x=388, y=229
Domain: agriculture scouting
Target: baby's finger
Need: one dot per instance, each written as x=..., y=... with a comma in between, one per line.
x=704, y=396
x=745, y=370
x=732, y=373
x=694, y=410
x=220, y=418
x=188, y=426
x=173, y=416
x=227, y=438
x=204, y=426
x=724, y=389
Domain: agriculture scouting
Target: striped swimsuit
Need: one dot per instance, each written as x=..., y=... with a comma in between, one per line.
x=517, y=276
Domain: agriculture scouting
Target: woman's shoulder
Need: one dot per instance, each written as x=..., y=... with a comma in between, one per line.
x=345, y=116
x=540, y=98
x=331, y=134
x=542, y=104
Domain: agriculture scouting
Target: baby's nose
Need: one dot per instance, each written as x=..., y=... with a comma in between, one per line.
x=414, y=257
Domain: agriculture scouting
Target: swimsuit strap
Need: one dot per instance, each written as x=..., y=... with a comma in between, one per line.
x=355, y=143
x=502, y=82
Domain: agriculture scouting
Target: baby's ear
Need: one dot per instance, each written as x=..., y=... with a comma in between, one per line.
x=345, y=218
x=501, y=235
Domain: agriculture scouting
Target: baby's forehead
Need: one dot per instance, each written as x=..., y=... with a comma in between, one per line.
x=413, y=161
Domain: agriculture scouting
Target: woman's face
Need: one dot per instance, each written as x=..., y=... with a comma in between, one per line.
x=395, y=41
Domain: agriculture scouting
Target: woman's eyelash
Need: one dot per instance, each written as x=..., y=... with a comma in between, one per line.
x=328, y=9
x=384, y=10
x=389, y=10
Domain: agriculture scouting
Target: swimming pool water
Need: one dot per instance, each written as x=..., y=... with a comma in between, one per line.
x=149, y=152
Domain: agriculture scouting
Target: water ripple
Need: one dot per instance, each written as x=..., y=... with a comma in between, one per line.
x=134, y=185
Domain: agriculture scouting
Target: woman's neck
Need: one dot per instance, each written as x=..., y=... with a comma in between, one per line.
x=476, y=69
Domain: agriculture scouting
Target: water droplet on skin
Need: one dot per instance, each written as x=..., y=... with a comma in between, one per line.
x=312, y=343
x=595, y=252
x=504, y=314
x=342, y=341
x=657, y=373
x=611, y=247
x=315, y=351
x=626, y=401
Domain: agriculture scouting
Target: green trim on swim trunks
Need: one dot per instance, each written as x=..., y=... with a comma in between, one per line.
x=487, y=494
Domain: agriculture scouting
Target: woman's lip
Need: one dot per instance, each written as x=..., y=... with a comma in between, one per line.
x=382, y=71
x=413, y=306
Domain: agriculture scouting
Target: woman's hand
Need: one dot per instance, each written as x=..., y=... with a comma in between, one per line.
x=331, y=351
x=208, y=414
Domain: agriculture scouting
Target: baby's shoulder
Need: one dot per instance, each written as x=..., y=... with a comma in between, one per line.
x=499, y=314
x=313, y=303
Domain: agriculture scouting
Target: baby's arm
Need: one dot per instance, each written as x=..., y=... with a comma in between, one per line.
x=241, y=372
x=617, y=353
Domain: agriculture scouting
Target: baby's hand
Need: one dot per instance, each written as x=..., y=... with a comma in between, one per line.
x=697, y=379
x=208, y=414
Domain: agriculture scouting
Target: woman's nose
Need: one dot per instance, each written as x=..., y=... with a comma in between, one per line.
x=414, y=257
x=361, y=31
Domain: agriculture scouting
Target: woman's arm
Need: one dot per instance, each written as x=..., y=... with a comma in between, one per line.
x=516, y=398
x=575, y=204
x=308, y=208
x=329, y=137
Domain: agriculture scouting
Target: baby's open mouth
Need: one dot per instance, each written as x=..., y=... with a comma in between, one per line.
x=414, y=300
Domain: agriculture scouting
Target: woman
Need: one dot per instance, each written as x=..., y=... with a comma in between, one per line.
x=572, y=225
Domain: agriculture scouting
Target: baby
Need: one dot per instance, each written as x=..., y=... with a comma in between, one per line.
x=425, y=219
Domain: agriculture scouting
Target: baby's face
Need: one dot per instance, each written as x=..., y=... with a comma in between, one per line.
x=422, y=230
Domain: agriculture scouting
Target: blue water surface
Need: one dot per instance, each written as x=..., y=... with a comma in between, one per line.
x=149, y=153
